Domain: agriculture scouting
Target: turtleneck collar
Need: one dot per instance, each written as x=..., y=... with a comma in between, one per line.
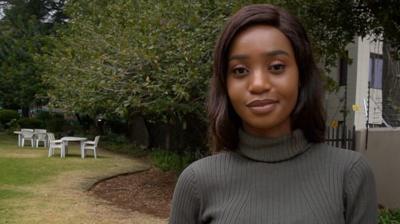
x=272, y=149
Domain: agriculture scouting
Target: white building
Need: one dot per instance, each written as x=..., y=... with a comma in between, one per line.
x=365, y=65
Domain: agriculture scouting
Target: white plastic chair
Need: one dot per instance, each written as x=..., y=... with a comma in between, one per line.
x=27, y=134
x=40, y=136
x=55, y=144
x=91, y=145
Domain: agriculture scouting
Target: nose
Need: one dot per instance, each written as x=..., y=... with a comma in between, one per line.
x=259, y=82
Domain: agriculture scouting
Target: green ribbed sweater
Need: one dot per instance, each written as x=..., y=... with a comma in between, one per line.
x=284, y=180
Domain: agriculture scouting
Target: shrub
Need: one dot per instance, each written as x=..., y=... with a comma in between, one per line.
x=55, y=123
x=120, y=144
x=44, y=116
x=115, y=138
x=72, y=127
x=12, y=126
x=7, y=116
x=29, y=122
x=170, y=161
x=117, y=126
x=387, y=216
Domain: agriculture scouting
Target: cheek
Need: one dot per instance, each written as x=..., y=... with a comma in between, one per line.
x=290, y=90
x=235, y=97
x=234, y=90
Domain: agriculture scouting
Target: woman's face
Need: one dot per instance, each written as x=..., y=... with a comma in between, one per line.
x=263, y=80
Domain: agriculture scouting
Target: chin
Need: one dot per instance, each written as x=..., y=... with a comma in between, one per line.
x=272, y=128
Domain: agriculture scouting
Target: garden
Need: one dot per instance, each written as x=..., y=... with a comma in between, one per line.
x=38, y=189
x=136, y=73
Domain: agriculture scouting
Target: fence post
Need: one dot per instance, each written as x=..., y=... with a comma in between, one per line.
x=337, y=136
x=353, y=143
x=344, y=137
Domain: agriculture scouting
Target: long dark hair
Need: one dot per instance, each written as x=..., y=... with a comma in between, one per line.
x=308, y=114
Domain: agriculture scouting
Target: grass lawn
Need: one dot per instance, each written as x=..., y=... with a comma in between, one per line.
x=32, y=186
x=29, y=166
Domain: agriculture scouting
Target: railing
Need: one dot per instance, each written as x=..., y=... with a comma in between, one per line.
x=341, y=137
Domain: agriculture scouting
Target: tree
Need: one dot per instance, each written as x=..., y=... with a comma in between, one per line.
x=153, y=58
x=386, y=21
x=23, y=31
x=136, y=57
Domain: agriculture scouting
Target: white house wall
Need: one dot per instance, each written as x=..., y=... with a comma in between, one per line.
x=352, y=79
x=365, y=47
x=357, y=87
x=334, y=102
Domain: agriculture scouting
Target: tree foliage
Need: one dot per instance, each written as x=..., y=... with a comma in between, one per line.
x=136, y=57
x=23, y=30
x=153, y=58
x=386, y=21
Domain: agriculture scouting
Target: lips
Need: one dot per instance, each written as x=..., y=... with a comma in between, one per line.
x=262, y=106
x=261, y=103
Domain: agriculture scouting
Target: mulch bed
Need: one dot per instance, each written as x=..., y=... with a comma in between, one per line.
x=147, y=192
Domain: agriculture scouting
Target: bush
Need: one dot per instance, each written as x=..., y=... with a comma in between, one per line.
x=171, y=161
x=29, y=122
x=387, y=216
x=55, y=123
x=120, y=144
x=117, y=126
x=7, y=116
x=44, y=116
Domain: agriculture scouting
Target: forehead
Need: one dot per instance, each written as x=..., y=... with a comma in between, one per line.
x=260, y=38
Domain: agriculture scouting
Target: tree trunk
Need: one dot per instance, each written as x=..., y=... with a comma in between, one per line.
x=168, y=137
x=25, y=111
x=137, y=131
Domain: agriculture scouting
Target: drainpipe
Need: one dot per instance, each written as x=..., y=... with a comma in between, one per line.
x=369, y=95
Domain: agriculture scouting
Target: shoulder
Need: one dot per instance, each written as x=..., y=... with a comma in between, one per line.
x=210, y=166
x=344, y=157
x=342, y=162
x=351, y=167
x=211, y=162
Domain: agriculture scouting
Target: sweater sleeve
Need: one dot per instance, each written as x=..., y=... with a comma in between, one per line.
x=185, y=202
x=360, y=194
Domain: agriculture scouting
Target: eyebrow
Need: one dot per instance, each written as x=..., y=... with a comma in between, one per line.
x=266, y=54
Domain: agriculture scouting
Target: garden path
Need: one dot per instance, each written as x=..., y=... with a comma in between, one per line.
x=65, y=199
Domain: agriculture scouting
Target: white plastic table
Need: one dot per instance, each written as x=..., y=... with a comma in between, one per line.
x=67, y=139
x=19, y=133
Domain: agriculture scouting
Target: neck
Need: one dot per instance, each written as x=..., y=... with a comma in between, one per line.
x=272, y=149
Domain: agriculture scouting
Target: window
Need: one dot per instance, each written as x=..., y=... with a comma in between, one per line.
x=375, y=70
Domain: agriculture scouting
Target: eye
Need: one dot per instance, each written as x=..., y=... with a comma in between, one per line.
x=277, y=68
x=239, y=71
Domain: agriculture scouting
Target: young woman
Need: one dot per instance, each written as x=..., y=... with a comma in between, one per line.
x=267, y=128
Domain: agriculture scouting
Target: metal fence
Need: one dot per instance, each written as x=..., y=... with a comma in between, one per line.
x=341, y=137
